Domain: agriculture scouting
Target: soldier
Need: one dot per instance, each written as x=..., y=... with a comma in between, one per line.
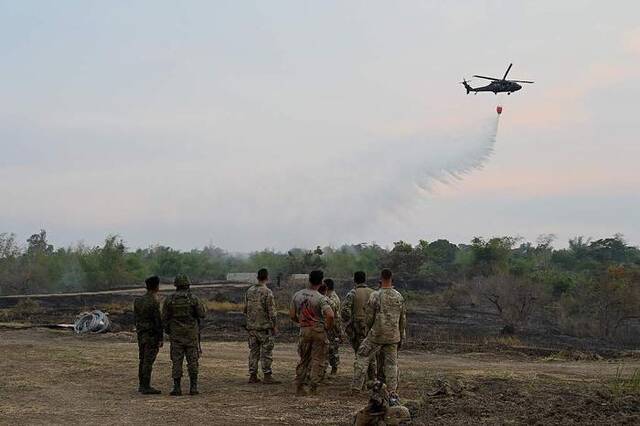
x=383, y=409
x=260, y=311
x=181, y=315
x=146, y=310
x=335, y=334
x=354, y=315
x=386, y=318
x=312, y=312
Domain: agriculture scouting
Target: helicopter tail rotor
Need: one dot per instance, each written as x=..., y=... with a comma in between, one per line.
x=466, y=85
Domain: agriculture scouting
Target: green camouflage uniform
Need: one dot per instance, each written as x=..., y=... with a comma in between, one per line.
x=335, y=334
x=181, y=316
x=387, y=318
x=310, y=307
x=260, y=311
x=148, y=322
x=354, y=318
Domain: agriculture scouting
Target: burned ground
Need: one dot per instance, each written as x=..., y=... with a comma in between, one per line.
x=54, y=377
x=456, y=368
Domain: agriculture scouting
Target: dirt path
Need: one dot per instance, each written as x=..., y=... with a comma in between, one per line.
x=51, y=377
x=138, y=290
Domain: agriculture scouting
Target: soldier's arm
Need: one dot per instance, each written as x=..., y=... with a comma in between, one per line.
x=136, y=311
x=372, y=310
x=157, y=321
x=338, y=320
x=201, y=309
x=327, y=313
x=244, y=309
x=271, y=310
x=166, y=317
x=292, y=313
x=345, y=310
x=328, y=317
x=403, y=323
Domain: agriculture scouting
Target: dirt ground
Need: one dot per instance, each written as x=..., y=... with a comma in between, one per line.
x=54, y=377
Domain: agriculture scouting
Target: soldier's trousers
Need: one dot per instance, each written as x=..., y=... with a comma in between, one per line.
x=147, y=352
x=356, y=340
x=312, y=347
x=261, y=344
x=178, y=353
x=333, y=353
x=333, y=350
x=367, y=354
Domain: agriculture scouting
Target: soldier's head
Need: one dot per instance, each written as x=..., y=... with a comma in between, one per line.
x=359, y=277
x=181, y=281
x=329, y=283
x=315, y=278
x=386, y=277
x=322, y=289
x=263, y=275
x=152, y=283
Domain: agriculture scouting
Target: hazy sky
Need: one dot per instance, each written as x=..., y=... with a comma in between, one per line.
x=295, y=123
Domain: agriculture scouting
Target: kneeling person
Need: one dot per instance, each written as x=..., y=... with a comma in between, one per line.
x=260, y=312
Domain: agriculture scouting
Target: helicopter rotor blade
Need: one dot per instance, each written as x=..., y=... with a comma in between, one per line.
x=521, y=81
x=487, y=78
x=508, y=69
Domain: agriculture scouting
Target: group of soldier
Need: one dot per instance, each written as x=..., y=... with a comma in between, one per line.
x=374, y=322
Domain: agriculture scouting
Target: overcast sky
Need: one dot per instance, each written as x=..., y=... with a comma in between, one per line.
x=294, y=123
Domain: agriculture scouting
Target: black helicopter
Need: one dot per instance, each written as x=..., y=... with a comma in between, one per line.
x=497, y=85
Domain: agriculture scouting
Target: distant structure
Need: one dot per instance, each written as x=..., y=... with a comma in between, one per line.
x=298, y=279
x=243, y=277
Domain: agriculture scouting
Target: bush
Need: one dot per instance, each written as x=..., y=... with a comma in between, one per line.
x=25, y=308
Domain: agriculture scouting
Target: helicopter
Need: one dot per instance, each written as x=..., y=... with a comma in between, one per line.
x=497, y=85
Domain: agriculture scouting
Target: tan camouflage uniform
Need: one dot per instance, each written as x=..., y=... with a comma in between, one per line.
x=260, y=311
x=354, y=319
x=387, y=318
x=310, y=307
x=335, y=334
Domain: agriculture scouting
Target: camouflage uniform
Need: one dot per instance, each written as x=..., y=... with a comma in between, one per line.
x=387, y=318
x=181, y=316
x=310, y=308
x=334, y=335
x=148, y=322
x=260, y=311
x=354, y=317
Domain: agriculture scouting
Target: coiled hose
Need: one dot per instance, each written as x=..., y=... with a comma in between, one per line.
x=92, y=322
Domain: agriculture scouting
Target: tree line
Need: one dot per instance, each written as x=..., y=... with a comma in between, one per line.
x=593, y=284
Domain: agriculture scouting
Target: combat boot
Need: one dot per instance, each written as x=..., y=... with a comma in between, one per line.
x=147, y=389
x=177, y=390
x=193, y=384
x=269, y=380
x=254, y=378
x=300, y=390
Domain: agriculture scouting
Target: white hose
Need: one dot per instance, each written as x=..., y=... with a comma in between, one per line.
x=92, y=322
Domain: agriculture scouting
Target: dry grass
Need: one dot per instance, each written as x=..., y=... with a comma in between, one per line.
x=54, y=377
x=214, y=305
x=115, y=308
x=622, y=385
